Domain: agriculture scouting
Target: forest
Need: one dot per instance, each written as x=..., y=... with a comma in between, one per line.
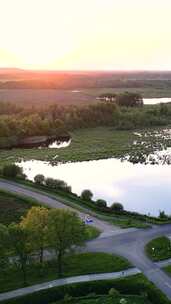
x=126, y=112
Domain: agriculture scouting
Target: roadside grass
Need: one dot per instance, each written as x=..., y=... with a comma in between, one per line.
x=92, y=232
x=12, y=207
x=159, y=249
x=125, y=220
x=167, y=269
x=77, y=264
x=107, y=300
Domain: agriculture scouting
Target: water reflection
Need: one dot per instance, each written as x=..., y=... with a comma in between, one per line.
x=57, y=144
x=154, y=101
x=141, y=188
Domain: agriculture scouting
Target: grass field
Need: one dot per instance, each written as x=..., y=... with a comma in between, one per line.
x=80, y=97
x=93, y=144
x=87, y=144
x=159, y=249
x=146, y=92
x=78, y=264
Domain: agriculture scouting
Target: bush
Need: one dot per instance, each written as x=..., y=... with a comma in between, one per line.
x=39, y=179
x=117, y=207
x=57, y=184
x=113, y=292
x=86, y=195
x=12, y=171
x=101, y=203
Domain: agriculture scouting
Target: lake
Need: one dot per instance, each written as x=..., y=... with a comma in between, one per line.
x=153, y=101
x=139, y=187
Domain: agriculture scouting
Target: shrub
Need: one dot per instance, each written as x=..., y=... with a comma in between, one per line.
x=132, y=285
x=118, y=207
x=39, y=179
x=101, y=203
x=86, y=195
x=57, y=184
x=113, y=292
x=12, y=171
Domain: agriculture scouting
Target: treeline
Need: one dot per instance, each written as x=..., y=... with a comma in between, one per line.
x=59, y=120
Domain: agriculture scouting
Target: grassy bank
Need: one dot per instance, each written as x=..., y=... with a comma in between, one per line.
x=78, y=264
x=124, y=219
x=12, y=207
x=159, y=249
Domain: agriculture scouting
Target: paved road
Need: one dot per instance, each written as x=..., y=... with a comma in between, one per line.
x=39, y=196
x=129, y=243
x=60, y=282
x=131, y=246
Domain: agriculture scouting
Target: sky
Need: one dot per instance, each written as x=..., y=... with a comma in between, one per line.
x=86, y=34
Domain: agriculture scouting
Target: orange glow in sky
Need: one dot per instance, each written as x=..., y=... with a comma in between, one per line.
x=85, y=34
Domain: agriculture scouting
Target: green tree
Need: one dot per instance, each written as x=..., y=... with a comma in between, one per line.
x=19, y=239
x=4, y=245
x=65, y=231
x=36, y=222
x=101, y=203
x=118, y=207
x=39, y=179
x=86, y=195
x=12, y=171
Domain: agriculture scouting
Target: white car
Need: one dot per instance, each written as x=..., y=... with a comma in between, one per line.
x=88, y=219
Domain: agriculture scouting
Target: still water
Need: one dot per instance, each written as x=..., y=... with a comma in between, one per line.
x=142, y=188
x=154, y=101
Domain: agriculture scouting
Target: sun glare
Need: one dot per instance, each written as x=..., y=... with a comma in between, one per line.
x=92, y=34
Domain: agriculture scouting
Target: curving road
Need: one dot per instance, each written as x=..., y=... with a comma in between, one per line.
x=129, y=243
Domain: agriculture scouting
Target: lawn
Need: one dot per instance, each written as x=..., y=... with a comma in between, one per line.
x=159, y=249
x=78, y=264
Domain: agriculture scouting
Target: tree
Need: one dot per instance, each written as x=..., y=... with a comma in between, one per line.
x=36, y=222
x=162, y=215
x=86, y=195
x=118, y=207
x=39, y=179
x=129, y=99
x=12, y=171
x=57, y=184
x=19, y=239
x=65, y=230
x=4, y=245
x=101, y=203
